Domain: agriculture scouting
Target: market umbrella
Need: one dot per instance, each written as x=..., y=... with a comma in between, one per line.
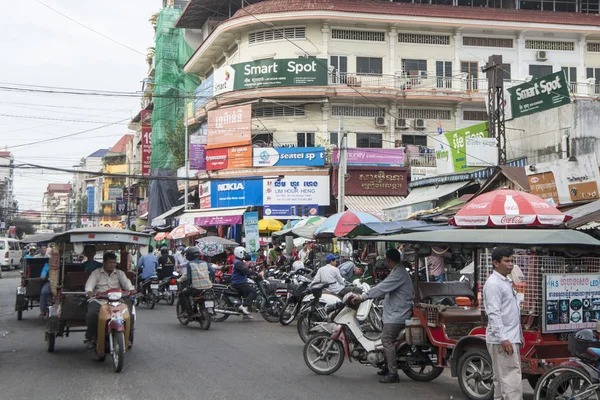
x=342, y=223
x=210, y=248
x=303, y=227
x=223, y=241
x=270, y=225
x=506, y=207
x=161, y=236
x=186, y=230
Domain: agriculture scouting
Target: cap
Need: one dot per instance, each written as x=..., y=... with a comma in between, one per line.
x=330, y=257
x=181, y=247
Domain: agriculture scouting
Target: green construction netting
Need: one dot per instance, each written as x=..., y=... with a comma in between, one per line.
x=172, y=85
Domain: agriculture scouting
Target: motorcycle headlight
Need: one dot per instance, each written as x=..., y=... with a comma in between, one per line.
x=115, y=296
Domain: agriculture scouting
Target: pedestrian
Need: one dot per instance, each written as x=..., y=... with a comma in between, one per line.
x=436, y=264
x=504, y=335
x=303, y=253
x=180, y=259
x=397, y=308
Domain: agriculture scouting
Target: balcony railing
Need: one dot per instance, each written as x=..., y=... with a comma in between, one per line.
x=421, y=159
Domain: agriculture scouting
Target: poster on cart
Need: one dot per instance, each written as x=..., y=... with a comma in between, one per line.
x=571, y=302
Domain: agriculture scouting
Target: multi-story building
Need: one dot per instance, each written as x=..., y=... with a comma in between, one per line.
x=32, y=216
x=87, y=191
x=6, y=185
x=55, y=207
x=115, y=163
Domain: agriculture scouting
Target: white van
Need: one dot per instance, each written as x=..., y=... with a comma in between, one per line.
x=10, y=253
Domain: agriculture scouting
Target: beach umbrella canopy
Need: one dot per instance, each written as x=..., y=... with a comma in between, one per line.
x=342, y=223
x=161, y=236
x=506, y=207
x=187, y=230
x=269, y=225
x=223, y=241
x=210, y=248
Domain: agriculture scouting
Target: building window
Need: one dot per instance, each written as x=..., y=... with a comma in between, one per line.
x=570, y=74
x=443, y=74
x=471, y=69
x=369, y=65
x=593, y=47
x=594, y=73
x=262, y=139
x=549, y=45
x=306, y=139
x=369, y=140
x=413, y=67
x=549, y=5
x=276, y=34
x=368, y=36
x=339, y=65
x=415, y=140
x=487, y=42
x=352, y=111
x=333, y=139
x=279, y=111
x=472, y=115
x=590, y=6
x=418, y=38
x=537, y=71
x=424, y=113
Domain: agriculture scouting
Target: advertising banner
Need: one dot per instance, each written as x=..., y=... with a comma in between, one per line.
x=230, y=126
x=121, y=207
x=236, y=193
x=543, y=185
x=297, y=190
x=146, y=117
x=251, y=231
x=289, y=157
x=571, y=302
x=205, y=202
x=115, y=192
x=372, y=157
x=197, y=153
x=482, y=152
x=218, y=220
x=539, y=94
x=450, y=148
x=417, y=173
x=204, y=92
x=142, y=208
x=373, y=181
x=216, y=159
x=239, y=157
x=290, y=211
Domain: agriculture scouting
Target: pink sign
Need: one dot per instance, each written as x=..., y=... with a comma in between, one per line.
x=230, y=126
x=375, y=157
x=218, y=220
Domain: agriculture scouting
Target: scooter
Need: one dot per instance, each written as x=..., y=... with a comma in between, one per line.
x=202, y=309
x=148, y=292
x=167, y=289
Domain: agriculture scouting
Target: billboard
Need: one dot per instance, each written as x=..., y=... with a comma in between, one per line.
x=289, y=157
x=197, y=153
x=216, y=159
x=482, y=152
x=373, y=181
x=230, y=126
x=236, y=193
x=146, y=117
x=232, y=157
x=450, y=148
x=251, y=231
x=290, y=211
x=297, y=190
x=417, y=173
x=372, y=157
x=204, y=92
x=539, y=94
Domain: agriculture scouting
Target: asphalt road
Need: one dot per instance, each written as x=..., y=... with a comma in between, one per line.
x=235, y=359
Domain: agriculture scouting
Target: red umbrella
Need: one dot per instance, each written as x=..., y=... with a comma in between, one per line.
x=506, y=207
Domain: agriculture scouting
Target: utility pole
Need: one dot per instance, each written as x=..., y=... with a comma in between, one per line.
x=342, y=167
x=186, y=162
x=496, y=118
x=128, y=227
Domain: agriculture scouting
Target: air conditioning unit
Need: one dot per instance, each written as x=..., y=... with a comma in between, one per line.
x=380, y=121
x=423, y=74
x=402, y=123
x=541, y=55
x=420, y=123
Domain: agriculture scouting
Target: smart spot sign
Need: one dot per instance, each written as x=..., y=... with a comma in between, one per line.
x=539, y=94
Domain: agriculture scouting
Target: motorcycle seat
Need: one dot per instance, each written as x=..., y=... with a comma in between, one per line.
x=461, y=314
x=233, y=291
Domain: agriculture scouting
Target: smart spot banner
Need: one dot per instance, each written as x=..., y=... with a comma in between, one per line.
x=539, y=94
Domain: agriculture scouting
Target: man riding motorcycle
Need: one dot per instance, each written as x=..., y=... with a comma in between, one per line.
x=196, y=276
x=239, y=279
x=166, y=264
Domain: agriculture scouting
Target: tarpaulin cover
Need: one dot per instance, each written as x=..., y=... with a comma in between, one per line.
x=163, y=193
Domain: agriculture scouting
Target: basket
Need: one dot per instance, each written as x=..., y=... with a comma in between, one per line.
x=578, y=347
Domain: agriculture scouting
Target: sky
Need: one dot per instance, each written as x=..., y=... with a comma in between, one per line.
x=41, y=47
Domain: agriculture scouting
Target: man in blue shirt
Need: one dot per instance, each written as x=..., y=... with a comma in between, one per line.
x=147, y=264
x=45, y=292
x=90, y=264
x=31, y=253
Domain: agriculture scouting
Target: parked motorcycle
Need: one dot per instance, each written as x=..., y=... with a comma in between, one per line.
x=228, y=300
x=297, y=289
x=167, y=289
x=202, y=309
x=313, y=309
x=324, y=351
x=148, y=292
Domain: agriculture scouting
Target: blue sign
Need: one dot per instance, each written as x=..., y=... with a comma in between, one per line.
x=236, y=193
x=90, y=199
x=203, y=93
x=121, y=206
x=295, y=211
x=288, y=157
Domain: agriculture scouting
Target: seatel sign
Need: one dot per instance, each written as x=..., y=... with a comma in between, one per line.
x=288, y=157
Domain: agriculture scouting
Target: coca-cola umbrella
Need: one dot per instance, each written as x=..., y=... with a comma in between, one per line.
x=506, y=207
x=187, y=230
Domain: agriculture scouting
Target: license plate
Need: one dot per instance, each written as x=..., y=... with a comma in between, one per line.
x=209, y=304
x=154, y=286
x=173, y=287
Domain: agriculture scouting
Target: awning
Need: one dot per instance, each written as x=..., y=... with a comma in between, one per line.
x=583, y=215
x=371, y=204
x=388, y=228
x=162, y=218
x=214, y=216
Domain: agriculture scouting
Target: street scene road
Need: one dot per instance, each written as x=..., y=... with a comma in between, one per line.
x=235, y=359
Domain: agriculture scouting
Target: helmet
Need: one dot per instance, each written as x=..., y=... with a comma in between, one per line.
x=586, y=334
x=241, y=253
x=192, y=253
x=164, y=249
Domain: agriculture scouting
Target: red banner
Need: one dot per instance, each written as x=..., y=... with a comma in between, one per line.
x=216, y=159
x=146, y=141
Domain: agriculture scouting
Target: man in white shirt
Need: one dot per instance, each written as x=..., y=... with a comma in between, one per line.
x=503, y=335
x=303, y=254
x=330, y=273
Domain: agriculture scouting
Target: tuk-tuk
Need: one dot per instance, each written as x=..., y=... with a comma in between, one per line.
x=28, y=293
x=68, y=312
x=456, y=333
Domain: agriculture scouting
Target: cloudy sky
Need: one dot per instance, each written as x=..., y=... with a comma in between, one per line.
x=41, y=47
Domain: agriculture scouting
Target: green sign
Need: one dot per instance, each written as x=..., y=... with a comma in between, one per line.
x=539, y=94
x=450, y=148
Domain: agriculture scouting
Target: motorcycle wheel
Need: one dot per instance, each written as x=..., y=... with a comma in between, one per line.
x=571, y=384
x=204, y=320
x=541, y=387
x=150, y=301
x=272, y=308
x=376, y=315
x=303, y=327
x=179, y=310
x=289, y=312
x=475, y=375
x=171, y=298
x=50, y=341
x=220, y=303
x=118, y=354
x=422, y=371
x=321, y=348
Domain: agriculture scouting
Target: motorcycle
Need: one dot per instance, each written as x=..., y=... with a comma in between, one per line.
x=228, y=300
x=313, y=309
x=167, y=289
x=148, y=292
x=202, y=309
x=297, y=289
x=325, y=350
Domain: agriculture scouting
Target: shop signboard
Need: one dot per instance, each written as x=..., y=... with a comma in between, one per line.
x=142, y=208
x=539, y=94
x=121, y=207
x=230, y=126
x=205, y=202
x=372, y=157
x=481, y=152
x=298, y=190
x=204, y=92
x=571, y=302
x=450, y=148
x=251, y=231
x=216, y=159
x=146, y=117
x=289, y=157
x=290, y=211
x=417, y=173
x=373, y=181
x=239, y=157
x=543, y=185
x=197, y=153
x=236, y=193
x=218, y=220
x=115, y=192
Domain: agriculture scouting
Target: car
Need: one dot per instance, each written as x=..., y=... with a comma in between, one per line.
x=10, y=253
